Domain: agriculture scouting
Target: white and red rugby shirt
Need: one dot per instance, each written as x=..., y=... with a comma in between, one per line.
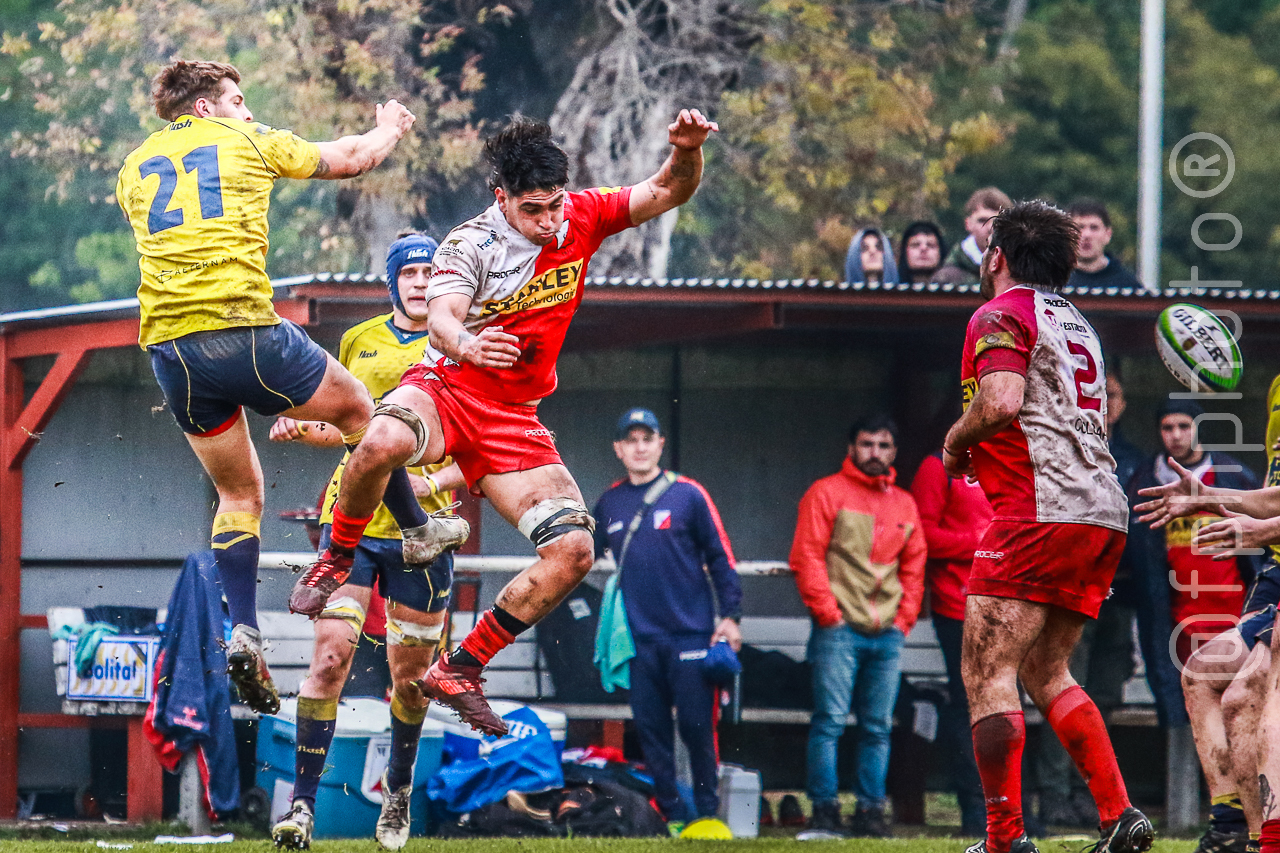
x=530, y=291
x=1052, y=463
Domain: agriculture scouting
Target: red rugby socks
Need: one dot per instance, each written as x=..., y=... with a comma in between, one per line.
x=496, y=630
x=1078, y=724
x=1270, y=839
x=998, y=740
x=346, y=531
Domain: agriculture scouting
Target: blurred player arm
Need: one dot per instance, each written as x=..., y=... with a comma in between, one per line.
x=1188, y=495
x=994, y=406
x=311, y=433
x=674, y=183
x=354, y=155
x=492, y=348
x=1235, y=533
x=446, y=479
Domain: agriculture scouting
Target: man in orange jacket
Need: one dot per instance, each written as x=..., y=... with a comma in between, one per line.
x=858, y=558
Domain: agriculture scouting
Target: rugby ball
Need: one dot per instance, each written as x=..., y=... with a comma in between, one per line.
x=1198, y=348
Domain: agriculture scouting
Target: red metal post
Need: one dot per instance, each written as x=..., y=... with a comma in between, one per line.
x=10, y=576
x=145, y=796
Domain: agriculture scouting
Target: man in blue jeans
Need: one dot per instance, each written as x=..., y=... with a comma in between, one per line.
x=858, y=559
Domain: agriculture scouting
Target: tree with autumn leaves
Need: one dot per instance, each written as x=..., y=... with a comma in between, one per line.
x=833, y=115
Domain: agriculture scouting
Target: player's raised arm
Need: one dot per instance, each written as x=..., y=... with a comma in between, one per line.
x=674, y=183
x=354, y=155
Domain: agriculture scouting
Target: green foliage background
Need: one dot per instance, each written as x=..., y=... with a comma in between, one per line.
x=851, y=113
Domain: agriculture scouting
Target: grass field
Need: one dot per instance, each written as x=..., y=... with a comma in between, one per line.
x=86, y=838
x=938, y=837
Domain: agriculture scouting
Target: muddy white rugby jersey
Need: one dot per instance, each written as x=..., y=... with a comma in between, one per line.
x=530, y=291
x=1052, y=463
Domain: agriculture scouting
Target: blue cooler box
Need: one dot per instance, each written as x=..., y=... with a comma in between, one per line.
x=349, y=800
x=462, y=743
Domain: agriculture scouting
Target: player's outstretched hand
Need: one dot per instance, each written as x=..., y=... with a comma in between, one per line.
x=288, y=429
x=1174, y=500
x=1236, y=534
x=690, y=130
x=395, y=115
x=491, y=348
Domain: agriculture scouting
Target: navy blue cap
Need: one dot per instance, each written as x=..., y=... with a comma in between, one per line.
x=721, y=664
x=634, y=418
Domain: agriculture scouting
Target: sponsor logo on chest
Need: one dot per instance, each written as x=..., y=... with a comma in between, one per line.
x=553, y=287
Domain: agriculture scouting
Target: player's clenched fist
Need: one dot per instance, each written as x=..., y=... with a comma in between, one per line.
x=288, y=429
x=690, y=130
x=394, y=114
x=491, y=348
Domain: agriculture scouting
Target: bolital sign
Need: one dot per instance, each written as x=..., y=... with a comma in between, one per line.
x=121, y=670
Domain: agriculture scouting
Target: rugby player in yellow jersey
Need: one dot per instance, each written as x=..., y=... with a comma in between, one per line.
x=196, y=195
x=377, y=352
x=1225, y=680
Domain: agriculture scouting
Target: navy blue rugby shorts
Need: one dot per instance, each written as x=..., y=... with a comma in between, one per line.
x=207, y=376
x=381, y=561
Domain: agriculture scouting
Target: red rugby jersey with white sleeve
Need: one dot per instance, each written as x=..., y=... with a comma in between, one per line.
x=1051, y=464
x=531, y=291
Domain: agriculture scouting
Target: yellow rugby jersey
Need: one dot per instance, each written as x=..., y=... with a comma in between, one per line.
x=1273, y=458
x=378, y=354
x=196, y=195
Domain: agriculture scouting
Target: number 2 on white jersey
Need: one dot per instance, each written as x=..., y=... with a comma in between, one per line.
x=1086, y=375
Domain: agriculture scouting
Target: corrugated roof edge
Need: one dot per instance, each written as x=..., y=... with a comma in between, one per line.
x=122, y=307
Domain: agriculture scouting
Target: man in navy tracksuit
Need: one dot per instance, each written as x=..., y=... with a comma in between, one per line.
x=677, y=574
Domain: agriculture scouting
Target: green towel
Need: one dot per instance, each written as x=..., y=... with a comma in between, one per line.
x=614, y=646
x=88, y=636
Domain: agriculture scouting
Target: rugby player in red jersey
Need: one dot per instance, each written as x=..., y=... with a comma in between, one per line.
x=503, y=289
x=1034, y=434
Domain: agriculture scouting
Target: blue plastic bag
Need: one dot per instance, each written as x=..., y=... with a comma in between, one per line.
x=525, y=759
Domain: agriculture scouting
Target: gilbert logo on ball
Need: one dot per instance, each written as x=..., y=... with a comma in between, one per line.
x=1198, y=348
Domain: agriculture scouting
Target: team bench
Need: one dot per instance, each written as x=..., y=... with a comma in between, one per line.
x=774, y=621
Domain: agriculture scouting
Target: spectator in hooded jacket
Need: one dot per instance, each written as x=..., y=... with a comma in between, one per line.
x=922, y=249
x=870, y=258
x=858, y=558
x=965, y=260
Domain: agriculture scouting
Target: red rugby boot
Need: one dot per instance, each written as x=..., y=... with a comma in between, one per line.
x=458, y=687
x=311, y=593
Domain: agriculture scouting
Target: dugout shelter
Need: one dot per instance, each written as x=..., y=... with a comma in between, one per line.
x=755, y=382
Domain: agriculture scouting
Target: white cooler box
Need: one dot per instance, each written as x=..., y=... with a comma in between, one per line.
x=462, y=743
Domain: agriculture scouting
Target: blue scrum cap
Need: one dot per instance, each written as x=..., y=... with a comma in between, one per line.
x=410, y=249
